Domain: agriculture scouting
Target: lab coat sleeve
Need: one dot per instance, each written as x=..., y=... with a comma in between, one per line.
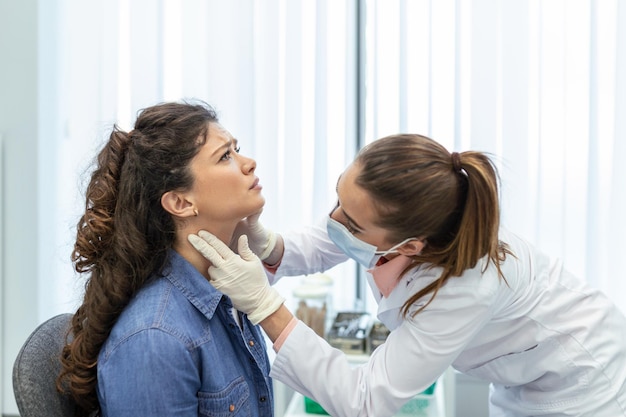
x=412, y=358
x=308, y=251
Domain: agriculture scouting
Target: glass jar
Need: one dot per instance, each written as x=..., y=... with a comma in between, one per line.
x=313, y=302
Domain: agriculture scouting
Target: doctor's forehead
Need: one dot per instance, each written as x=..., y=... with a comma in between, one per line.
x=337, y=183
x=347, y=173
x=350, y=174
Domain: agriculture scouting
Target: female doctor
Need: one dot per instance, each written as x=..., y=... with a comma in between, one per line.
x=454, y=288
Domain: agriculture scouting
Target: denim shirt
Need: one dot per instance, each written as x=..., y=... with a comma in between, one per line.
x=177, y=350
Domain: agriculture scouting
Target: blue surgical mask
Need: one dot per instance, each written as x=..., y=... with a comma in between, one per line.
x=365, y=254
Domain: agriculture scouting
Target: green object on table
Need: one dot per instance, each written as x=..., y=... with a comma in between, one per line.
x=429, y=390
x=312, y=407
x=416, y=404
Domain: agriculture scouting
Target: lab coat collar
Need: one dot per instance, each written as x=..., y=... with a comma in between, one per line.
x=389, y=308
x=386, y=274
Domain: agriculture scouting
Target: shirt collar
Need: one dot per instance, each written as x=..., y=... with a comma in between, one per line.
x=193, y=285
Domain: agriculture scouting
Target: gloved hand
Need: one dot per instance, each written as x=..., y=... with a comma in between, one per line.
x=241, y=277
x=260, y=240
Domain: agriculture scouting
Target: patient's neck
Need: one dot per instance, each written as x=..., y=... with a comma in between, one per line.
x=187, y=251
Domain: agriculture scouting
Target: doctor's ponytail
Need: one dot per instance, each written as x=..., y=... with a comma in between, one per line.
x=450, y=201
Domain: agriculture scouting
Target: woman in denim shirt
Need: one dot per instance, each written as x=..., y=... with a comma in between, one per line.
x=152, y=336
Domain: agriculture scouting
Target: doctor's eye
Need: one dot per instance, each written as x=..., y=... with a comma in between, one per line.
x=351, y=228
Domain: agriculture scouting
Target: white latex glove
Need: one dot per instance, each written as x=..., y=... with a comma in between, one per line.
x=260, y=240
x=241, y=277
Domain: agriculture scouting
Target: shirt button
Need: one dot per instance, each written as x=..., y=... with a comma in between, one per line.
x=231, y=408
x=251, y=343
x=262, y=399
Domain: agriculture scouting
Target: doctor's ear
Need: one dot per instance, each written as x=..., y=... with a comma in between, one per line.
x=178, y=205
x=412, y=247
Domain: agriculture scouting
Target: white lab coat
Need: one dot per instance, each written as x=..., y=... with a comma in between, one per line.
x=548, y=343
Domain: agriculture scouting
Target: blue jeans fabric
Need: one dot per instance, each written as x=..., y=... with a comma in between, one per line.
x=177, y=350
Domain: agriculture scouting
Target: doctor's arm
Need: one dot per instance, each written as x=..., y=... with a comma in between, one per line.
x=298, y=252
x=415, y=355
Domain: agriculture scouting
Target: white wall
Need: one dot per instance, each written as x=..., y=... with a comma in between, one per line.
x=50, y=108
x=1, y=253
x=19, y=127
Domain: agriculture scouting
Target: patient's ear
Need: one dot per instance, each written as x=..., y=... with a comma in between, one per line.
x=177, y=204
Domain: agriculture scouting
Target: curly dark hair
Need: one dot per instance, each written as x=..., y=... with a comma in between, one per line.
x=124, y=235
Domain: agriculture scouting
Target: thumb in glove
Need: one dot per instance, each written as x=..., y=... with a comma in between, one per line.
x=261, y=240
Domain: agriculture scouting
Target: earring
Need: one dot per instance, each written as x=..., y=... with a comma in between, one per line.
x=195, y=212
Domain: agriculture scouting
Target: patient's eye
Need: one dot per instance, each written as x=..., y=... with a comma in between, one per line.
x=226, y=156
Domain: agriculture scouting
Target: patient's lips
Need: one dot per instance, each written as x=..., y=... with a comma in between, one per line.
x=256, y=185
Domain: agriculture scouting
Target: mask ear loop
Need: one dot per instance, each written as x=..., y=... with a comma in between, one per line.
x=394, y=248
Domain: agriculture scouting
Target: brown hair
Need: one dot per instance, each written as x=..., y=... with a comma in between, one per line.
x=124, y=235
x=449, y=200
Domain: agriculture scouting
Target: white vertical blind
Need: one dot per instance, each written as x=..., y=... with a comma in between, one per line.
x=280, y=73
x=540, y=85
x=617, y=209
